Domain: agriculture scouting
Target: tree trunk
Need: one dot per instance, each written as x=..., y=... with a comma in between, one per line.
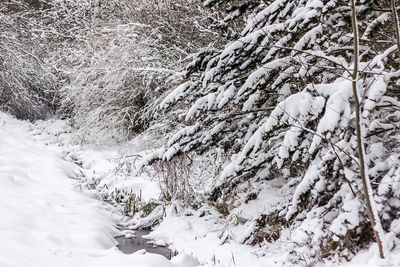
x=368, y=194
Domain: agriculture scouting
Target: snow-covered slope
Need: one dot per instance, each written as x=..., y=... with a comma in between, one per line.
x=46, y=219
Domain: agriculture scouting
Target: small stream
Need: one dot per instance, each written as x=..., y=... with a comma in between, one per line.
x=137, y=242
x=129, y=245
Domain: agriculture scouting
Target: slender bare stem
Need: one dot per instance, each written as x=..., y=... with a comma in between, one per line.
x=396, y=25
x=360, y=145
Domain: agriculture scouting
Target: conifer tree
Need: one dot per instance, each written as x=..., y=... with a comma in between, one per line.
x=278, y=102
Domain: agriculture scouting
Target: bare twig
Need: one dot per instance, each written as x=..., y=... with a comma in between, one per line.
x=396, y=25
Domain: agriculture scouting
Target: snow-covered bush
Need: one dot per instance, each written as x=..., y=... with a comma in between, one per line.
x=27, y=83
x=36, y=37
x=119, y=64
x=113, y=85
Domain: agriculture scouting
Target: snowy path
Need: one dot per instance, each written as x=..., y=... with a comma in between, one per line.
x=44, y=219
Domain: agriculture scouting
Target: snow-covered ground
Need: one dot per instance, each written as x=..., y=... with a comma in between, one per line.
x=49, y=218
x=46, y=218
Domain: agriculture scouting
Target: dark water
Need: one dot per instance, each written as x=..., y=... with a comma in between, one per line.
x=131, y=245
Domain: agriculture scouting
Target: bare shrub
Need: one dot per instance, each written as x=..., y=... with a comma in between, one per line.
x=174, y=177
